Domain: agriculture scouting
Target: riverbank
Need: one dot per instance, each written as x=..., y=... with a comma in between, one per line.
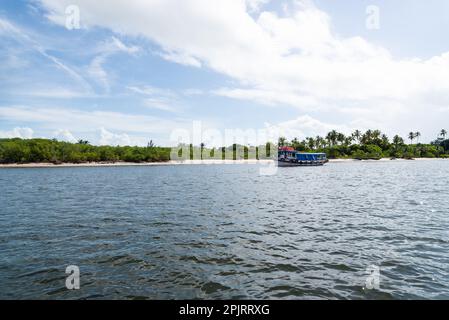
x=172, y=163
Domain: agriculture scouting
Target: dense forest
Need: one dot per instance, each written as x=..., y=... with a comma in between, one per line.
x=371, y=144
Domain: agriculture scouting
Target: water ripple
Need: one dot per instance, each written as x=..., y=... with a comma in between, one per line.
x=225, y=232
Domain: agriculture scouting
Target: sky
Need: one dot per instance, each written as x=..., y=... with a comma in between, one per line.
x=127, y=72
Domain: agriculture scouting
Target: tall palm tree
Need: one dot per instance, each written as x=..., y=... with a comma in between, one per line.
x=417, y=135
x=295, y=143
x=310, y=143
x=329, y=139
x=319, y=142
x=367, y=137
x=85, y=142
x=202, y=145
x=384, y=141
x=443, y=133
x=397, y=141
x=340, y=137
x=376, y=134
x=332, y=137
x=411, y=136
x=282, y=141
x=357, y=134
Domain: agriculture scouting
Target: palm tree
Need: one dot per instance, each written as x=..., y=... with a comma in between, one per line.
x=341, y=137
x=348, y=140
x=367, y=137
x=329, y=139
x=397, y=143
x=411, y=136
x=397, y=140
x=376, y=134
x=357, y=134
x=311, y=143
x=384, y=141
x=202, y=145
x=319, y=142
x=295, y=143
x=282, y=141
x=332, y=137
x=443, y=133
x=417, y=135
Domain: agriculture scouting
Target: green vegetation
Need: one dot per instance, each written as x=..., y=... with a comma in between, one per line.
x=52, y=151
x=233, y=152
x=372, y=144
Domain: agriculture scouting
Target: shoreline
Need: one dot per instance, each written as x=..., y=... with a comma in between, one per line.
x=385, y=160
x=130, y=164
x=175, y=163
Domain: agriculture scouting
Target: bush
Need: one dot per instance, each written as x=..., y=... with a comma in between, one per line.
x=359, y=155
x=43, y=150
x=373, y=151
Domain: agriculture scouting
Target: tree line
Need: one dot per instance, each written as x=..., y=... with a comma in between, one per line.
x=52, y=151
x=372, y=144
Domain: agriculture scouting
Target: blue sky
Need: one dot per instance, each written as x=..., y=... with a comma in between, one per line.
x=136, y=71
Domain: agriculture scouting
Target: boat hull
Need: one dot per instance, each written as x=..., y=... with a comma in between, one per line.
x=300, y=164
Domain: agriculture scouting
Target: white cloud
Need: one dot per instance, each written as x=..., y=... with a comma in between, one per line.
x=157, y=98
x=6, y=27
x=54, y=92
x=10, y=30
x=115, y=45
x=80, y=121
x=255, y=5
x=105, y=50
x=23, y=133
x=268, y=97
x=64, y=135
x=113, y=139
x=293, y=58
x=296, y=55
x=181, y=58
x=306, y=126
x=161, y=104
x=151, y=91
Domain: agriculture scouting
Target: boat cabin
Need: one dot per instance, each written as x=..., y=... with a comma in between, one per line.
x=288, y=155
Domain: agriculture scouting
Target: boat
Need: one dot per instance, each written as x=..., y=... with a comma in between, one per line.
x=289, y=157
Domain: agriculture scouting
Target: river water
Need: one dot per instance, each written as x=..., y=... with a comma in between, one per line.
x=350, y=230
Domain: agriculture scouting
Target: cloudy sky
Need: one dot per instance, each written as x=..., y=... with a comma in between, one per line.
x=137, y=70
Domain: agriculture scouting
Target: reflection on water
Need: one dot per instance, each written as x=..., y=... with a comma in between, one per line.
x=225, y=231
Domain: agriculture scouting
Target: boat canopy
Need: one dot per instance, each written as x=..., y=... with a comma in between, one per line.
x=310, y=156
x=290, y=149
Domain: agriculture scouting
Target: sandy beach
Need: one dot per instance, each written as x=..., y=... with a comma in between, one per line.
x=121, y=164
x=384, y=160
x=174, y=163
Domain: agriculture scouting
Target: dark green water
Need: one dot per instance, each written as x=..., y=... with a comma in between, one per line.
x=225, y=231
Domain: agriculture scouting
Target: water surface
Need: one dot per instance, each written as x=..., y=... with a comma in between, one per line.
x=225, y=231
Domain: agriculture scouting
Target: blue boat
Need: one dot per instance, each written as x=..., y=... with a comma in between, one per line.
x=289, y=157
